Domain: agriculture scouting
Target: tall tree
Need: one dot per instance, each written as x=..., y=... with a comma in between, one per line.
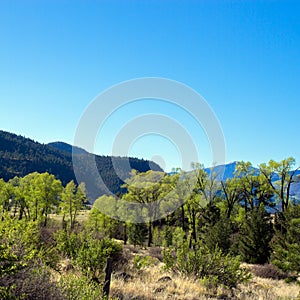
x=279, y=176
x=4, y=196
x=205, y=190
x=232, y=194
x=252, y=187
x=144, y=188
x=255, y=236
x=102, y=216
x=286, y=243
x=72, y=200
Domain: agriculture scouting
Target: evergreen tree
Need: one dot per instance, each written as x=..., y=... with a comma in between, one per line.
x=219, y=235
x=137, y=233
x=286, y=242
x=255, y=236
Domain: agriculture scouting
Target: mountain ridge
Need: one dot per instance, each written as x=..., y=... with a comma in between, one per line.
x=20, y=156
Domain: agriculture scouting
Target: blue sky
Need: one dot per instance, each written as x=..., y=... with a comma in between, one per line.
x=241, y=56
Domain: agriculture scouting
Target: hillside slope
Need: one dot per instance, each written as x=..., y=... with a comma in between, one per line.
x=20, y=156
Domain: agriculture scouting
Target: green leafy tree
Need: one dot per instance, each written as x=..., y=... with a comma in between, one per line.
x=203, y=190
x=72, y=201
x=251, y=186
x=101, y=217
x=36, y=195
x=232, y=194
x=5, y=196
x=144, y=188
x=279, y=177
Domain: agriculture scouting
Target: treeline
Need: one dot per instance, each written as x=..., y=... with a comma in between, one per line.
x=36, y=195
x=229, y=219
x=20, y=156
x=205, y=227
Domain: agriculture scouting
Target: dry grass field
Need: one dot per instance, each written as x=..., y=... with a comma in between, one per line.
x=152, y=282
x=149, y=280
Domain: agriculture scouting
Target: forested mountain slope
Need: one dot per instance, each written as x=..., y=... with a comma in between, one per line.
x=20, y=156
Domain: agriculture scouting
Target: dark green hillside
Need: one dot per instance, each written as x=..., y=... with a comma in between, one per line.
x=67, y=148
x=20, y=156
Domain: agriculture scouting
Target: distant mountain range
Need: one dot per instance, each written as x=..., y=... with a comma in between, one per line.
x=223, y=172
x=20, y=156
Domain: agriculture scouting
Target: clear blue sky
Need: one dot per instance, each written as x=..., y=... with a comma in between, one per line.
x=243, y=57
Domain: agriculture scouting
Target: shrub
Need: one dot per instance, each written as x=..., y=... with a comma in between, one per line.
x=268, y=271
x=32, y=282
x=68, y=243
x=213, y=267
x=74, y=287
x=93, y=253
x=141, y=262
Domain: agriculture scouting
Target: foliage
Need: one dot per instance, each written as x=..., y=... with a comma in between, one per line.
x=214, y=221
x=167, y=236
x=255, y=236
x=93, y=253
x=22, y=272
x=137, y=233
x=68, y=243
x=145, y=189
x=72, y=201
x=20, y=156
x=212, y=266
x=279, y=177
x=103, y=222
x=18, y=245
x=219, y=234
x=142, y=262
x=33, y=282
x=79, y=287
x=286, y=243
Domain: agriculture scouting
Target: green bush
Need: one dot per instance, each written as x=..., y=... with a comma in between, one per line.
x=68, y=243
x=213, y=267
x=74, y=288
x=141, y=262
x=93, y=253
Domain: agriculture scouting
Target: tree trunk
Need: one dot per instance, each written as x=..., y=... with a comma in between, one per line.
x=194, y=226
x=182, y=218
x=149, y=234
x=125, y=234
x=108, y=271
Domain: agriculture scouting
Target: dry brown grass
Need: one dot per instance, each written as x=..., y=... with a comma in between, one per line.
x=145, y=284
x=80, y=218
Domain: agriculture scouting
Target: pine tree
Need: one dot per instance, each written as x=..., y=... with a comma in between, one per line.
x=286, y=242
x=137, y=233
x=255, y=236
